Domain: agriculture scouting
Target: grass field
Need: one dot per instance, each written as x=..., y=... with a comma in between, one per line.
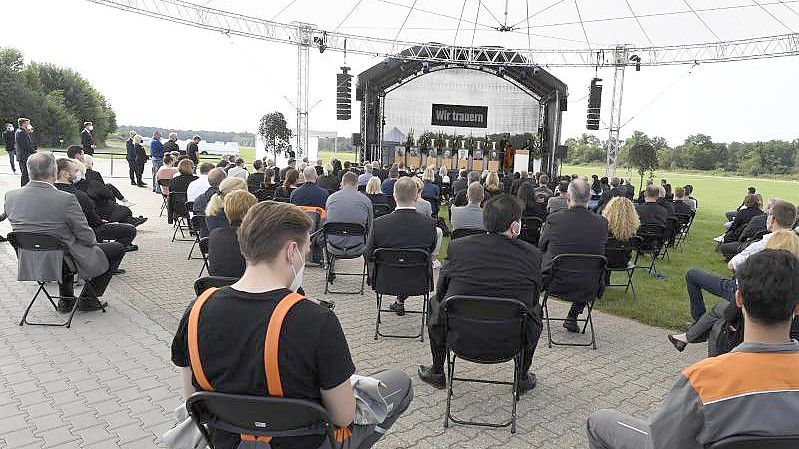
x=665, y=302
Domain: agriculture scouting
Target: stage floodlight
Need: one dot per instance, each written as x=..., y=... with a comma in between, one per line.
x=425, y=67
x=637, y=60
x=501, y=71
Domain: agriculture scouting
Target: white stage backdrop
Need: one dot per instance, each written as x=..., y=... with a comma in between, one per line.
x=509, y=108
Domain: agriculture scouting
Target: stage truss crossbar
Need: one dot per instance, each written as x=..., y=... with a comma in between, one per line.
x=229, y=23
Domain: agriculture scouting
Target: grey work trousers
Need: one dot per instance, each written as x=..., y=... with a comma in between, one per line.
x=611, y=429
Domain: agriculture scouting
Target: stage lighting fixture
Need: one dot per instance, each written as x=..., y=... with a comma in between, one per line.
x=501, y=71
x=321, y=42
x=637, y=60
x=536, y=69
x=425, y=67
x=594, y=104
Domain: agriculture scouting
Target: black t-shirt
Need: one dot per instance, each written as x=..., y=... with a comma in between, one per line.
x=313, y=352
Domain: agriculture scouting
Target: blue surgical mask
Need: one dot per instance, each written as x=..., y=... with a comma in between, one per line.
x=78, y=176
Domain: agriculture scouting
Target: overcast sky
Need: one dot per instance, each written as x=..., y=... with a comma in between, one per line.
x=162, y=74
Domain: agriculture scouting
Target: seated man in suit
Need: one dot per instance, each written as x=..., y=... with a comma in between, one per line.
x=575, y=230
x=348, y=205
x=215, y=177
x=123, y=233
x=403, y=229
x=309, y=194
x=650, y=211
x=471, y=215
x=734, y=394
x=478, y=265
x=460, y=199
x=40, y=207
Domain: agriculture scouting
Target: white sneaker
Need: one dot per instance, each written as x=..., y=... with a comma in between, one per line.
x=436, y=264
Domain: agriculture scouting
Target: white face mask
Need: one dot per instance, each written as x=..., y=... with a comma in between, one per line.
x=90, y=128
x=297, y=282
x=78, y=176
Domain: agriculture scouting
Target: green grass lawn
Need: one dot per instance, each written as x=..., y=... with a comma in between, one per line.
x=665, y=302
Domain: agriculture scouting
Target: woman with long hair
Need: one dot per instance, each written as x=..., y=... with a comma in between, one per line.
x=492, y=186
x=292, y=177
x=623, y=221
x=215, y=210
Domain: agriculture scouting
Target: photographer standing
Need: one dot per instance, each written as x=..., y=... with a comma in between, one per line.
x=24, y=147
x=86, y=139
x=8, y=137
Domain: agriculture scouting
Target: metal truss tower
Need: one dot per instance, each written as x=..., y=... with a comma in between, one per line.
x=620, y=59
x=304, y=42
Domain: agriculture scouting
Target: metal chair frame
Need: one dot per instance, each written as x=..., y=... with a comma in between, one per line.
x=165, y=204
x=527, y=231
x=347, y=229
x=518, y=359
x=196, y=221
x=757, y=442
x=425, y=297
x=203, y=245
x=180, y=221
x=632, y=264
x=587, y=321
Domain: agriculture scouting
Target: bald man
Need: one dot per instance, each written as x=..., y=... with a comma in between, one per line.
x=309, y=194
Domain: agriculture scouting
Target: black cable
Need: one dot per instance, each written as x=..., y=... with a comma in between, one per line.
x=579, y=16
x=406, y=20
x=276, y=15
x=701, y=20
x=537, y=13
x=787, y=6
x=773, y=16
x=389, y=2
x=348, y=15
x=639, y=23
x=455, y=40
x=476, y=18
x=491, y=14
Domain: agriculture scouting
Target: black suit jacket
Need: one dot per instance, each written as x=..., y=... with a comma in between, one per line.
x=403, y=229
x=86, y=141
x=459, y=184
x=572, y=231
x=224, y=255
x=652, y=213
x=86, y=204
x=24, y=144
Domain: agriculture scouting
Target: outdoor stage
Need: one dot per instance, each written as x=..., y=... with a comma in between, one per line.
x=461, y=115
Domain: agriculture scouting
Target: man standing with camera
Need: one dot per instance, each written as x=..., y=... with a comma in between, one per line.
x=24, y=147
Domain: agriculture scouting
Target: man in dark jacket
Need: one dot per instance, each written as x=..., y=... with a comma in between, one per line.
x=23, y=144
x=575, y=230
x=86, y=139
x=402, y=229
x=130, y=156
x=171, y=144
x=8, y=138
x=650, y=211
x=193, y=150
x=478, y=265
x=122, y=233
x=309, y=194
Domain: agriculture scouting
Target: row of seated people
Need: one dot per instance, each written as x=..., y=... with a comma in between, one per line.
x=275, y=241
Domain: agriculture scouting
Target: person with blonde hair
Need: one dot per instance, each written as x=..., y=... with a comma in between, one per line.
x=185, y=175
x=492, y=186
x=430, y=190
x=623, y=221
x=711, y=324
x=224, y=254
x=215, y=210
x=422, y=205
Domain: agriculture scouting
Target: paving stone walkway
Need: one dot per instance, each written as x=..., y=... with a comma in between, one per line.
x=108, y=381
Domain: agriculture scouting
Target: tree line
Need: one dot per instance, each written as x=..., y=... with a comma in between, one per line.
x=697, y=152
x=58, y=101
x=243, y=139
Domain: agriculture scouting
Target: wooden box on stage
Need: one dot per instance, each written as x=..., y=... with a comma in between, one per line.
x=477, y=164
x=446, y=162
x=399, y=159
x=414, y=161
x=493, y=166
x=463, y=164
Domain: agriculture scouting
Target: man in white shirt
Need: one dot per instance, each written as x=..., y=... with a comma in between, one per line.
x=199, y=185
x=781, y=215
x=239, y=170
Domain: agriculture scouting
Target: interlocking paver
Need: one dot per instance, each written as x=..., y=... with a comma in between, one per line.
x=108, y=381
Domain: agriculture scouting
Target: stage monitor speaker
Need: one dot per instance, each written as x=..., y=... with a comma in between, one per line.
x=564, y=104
x=343, y=95
x=594, y=104
x=356, y=139
x=563, y=152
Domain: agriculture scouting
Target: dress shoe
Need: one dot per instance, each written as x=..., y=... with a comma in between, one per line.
x=138, y=221
x=91, y=304
x=398, y=308
x=65, y=305
x=142, y=185
x=527, y=382
x=133, y=183
x=119, y=271
x=428, y=376
x=130, y=248
x=571, y=325
x=678, y=344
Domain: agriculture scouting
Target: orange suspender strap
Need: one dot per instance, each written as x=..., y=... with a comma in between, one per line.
x=194, y=348
x=273, y=383
x=322, y=213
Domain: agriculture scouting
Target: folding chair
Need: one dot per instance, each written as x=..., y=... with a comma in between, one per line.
x=258, y=416
x=264, y=194
x=531, y=229
x=203, y=245
x=200, y=230
x=334, y=249
x=465, y=232
x=34, y=251
x=204, y=283
x=380, y=209
x=653, y=238
x=685, y=228
x=317, y=216
x=622, y=257
x=281, y=199
x=178, y=215
x=576, y=277
x=474, y=323
x=163, y=183
x=401, y=272
x=757, y=442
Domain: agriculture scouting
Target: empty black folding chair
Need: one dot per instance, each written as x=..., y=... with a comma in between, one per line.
x=685, y=228
x=531, y=229
x=258, y=416
x=178, y=215
x=163, y=183
x=757, y=442
x=204, y=283
x=401, y=272
x=380, y=209
x=343, y=241
x=622, y=258
x=203, y=245
x=484, y=330
x=575, y=278
x=653, y=239
x=464, y=232
x=35, y=252
x=200, y=231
